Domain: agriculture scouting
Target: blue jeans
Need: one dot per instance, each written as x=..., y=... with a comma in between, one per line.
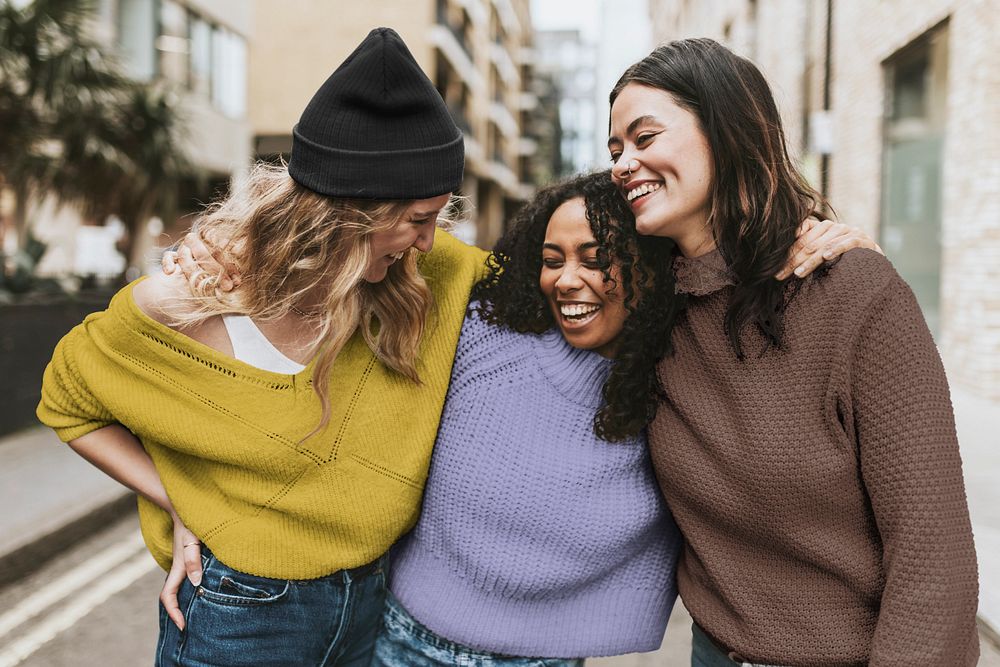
x=705, y=653
x=404, y=642
x=239, y=619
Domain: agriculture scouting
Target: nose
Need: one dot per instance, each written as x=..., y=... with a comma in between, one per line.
x=569, y=280
x=425, y=238
x=624, y=167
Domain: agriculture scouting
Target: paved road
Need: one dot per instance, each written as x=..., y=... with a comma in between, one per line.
x=96, y=605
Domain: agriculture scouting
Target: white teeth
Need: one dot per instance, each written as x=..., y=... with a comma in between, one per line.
x=643, y=189
x=571, y=310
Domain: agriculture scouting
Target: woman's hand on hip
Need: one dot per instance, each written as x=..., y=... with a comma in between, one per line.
x=822, y=240
x=187, y=563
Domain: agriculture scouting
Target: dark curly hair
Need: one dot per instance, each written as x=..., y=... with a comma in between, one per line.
x=509, y=295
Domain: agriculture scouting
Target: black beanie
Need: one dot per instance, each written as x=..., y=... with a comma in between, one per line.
x=378, y=129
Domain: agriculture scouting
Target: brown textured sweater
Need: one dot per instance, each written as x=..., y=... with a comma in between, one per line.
x=819, y=486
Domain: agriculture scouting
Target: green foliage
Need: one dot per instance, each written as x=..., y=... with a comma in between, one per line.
x=17, y=276
x=75, y=126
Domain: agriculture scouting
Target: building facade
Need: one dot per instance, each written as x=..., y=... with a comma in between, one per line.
x=568, y=61
x=477, y=53
x=891, y=108
x=199, y=50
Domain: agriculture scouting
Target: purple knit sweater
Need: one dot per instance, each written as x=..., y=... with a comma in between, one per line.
x=536, y=538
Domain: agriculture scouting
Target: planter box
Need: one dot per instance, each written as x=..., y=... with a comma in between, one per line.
x=29, y=332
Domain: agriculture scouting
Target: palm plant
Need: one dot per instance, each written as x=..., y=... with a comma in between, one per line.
x=75, y=126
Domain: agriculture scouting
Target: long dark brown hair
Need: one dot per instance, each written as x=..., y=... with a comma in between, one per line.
x=758, y=198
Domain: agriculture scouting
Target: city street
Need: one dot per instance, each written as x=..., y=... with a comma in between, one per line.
x=96, y=605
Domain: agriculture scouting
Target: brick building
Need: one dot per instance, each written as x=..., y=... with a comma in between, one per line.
x=892, y=109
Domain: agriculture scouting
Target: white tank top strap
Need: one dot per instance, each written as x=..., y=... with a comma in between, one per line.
x=251, y=346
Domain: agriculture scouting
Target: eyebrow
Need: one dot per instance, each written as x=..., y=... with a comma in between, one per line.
x=583, y=246
x=633, y=126
x=425, y=214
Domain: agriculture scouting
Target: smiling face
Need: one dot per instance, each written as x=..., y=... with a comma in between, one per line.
x=415, y=229
x=663, y=165
x=573, y=284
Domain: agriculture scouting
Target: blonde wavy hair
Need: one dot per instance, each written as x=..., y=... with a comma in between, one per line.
x=289, y=244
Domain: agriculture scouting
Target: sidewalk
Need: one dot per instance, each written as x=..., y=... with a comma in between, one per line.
x=53, y=497
x=978, y=423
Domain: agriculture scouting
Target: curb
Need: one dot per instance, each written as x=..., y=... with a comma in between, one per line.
x=988, y=633
x=30, y=557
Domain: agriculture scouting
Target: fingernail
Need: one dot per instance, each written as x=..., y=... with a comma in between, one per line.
x=196, y=578
x=800, y=271
x=828, y=254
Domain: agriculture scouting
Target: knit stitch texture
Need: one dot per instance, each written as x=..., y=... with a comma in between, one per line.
x=226, y=437
x=818, y=487
x=536, y=537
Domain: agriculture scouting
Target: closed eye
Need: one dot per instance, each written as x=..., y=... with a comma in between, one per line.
x=644, y=139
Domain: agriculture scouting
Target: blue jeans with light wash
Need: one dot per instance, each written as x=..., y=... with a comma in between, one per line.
x=404, y=642
x=705, y=653
x=237, y=619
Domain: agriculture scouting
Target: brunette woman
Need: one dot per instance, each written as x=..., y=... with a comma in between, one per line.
x=805, y=443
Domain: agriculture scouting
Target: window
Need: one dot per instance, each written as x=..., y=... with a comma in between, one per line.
x=229, y=73
x=913, y=133
x=136, y=33
x=172, y=45
x=200, y=80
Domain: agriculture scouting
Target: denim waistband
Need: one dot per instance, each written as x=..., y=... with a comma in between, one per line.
x=721, y=652
x=354, y=573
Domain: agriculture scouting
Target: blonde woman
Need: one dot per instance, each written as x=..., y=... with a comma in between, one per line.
x=287, y=475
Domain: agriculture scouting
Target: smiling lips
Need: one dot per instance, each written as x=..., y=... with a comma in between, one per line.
x=636, y=194
x=578, y=313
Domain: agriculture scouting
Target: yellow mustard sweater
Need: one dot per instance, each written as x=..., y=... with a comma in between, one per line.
x=225, y=436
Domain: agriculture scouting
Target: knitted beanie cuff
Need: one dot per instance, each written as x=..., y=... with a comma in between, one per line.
x=417, y=173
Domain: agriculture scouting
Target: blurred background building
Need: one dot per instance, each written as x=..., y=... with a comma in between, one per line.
x=199, y=48
x=566, y=60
